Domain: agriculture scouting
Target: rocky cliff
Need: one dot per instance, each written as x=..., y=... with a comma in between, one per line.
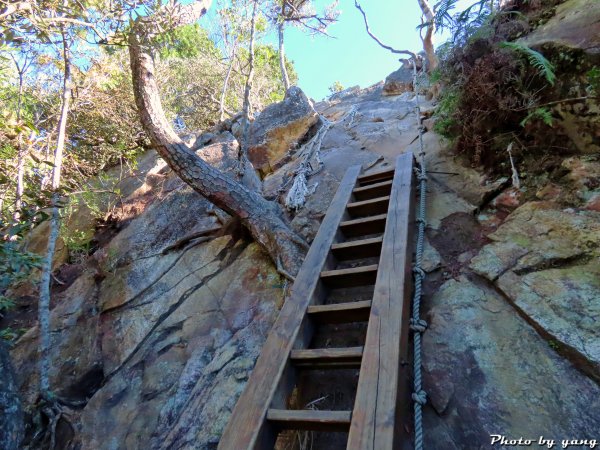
x=157, y=331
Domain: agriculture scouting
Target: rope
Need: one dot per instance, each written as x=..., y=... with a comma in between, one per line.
x=418, y=325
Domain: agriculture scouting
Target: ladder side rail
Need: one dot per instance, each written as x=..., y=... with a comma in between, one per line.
x=381, y=391
x=247, y=427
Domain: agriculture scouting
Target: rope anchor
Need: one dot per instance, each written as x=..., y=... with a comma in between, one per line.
x=418, y=325
x=420, y=397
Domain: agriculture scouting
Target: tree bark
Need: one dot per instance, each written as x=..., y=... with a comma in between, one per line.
x=432, y=60
x=64, y=111
x=20, y=155
x=261, y=217
x=11, y=415
x=226, y=81
x=284, y=75
x=249, y=79
x=45, y=278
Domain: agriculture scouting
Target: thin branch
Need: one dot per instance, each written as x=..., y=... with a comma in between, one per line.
x=376, y=39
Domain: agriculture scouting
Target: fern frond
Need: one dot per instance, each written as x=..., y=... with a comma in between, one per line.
x=536, y=59
x=442, y=17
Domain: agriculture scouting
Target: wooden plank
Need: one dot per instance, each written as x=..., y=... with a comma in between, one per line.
x=376, y=177
x=363, y=227
x=247, y=427
x=341, y=312
x=327, y=358
x=382, y=381
x=308, y=419
x=365, y=248
x=369, y=207
x=373, y=190
x=355, y=276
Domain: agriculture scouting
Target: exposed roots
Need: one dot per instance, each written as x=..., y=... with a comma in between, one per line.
x=311, y=164
x=281, y=271
x=50, y=412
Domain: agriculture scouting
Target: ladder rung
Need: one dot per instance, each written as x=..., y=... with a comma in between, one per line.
x=364, y=248
x=369, y=207
x=327, y=358
x=373, y=190
x=308, y=419
x=364, y=226
x=341, y=312
x=376, y=177
x=355, y=276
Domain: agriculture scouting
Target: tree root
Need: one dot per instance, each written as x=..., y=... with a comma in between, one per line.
x=50, y=411
x=199, y=236
x=281, y=271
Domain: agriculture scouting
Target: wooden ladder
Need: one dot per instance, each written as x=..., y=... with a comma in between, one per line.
x=370, y=216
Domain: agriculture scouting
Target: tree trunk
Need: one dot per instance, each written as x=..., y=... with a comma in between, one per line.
x=19, y=188
x=45, y=279
x=261, y=217
x=249, y=79
x=64, y=111
x=226, y=81
x=11, y=415
x=20, y=156
x=44, y=303
x=432, y=60
x=284, y=75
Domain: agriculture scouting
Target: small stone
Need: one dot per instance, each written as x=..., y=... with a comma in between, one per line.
x=594, y=203
x=508, y=200
x=549, y=192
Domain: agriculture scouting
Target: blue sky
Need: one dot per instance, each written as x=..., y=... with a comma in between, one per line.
x=353, y=58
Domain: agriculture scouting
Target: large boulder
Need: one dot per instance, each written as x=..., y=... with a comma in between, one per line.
x=278, y=127
x=399, y=82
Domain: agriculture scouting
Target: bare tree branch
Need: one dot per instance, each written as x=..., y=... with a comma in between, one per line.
x=376, y=39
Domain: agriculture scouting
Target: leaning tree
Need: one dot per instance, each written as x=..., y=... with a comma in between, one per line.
x=262, y=218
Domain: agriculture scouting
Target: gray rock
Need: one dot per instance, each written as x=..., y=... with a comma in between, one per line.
x=278, y=127
x=223, y=153
x=399, y=81
x=547, y=262
x=180, y=381
x=487, y=371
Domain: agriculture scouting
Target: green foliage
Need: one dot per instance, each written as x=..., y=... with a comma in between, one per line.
x=187, y=41
x=16, y=266
x=6, y=303
x=593, y=78
x=336, y=87
x=543, y=114
x=553, y=345
x=10, y=334
x=76, y=241
x=535, y=58
x=446, y=123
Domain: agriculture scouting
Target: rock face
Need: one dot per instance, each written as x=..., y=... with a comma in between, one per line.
x=399, y=81
x=547, y=262
x=574, y=32
x=574, y=24
x=158, y=334
x=144, y=333
x=278, y=127
x=487, y=372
